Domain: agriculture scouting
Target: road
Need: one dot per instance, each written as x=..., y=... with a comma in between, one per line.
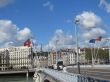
x=97, y=73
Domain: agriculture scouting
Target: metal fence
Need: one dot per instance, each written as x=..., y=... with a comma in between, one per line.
x=89, y=79
x=70, y=77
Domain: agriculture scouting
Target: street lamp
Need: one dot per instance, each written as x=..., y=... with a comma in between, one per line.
x=108, y=39
x=56, y=42
x=77, y=50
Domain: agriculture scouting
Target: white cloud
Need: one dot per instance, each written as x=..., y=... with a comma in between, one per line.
x=91, y=26
x=7, y=30
x=10, y=33
x=49, y=5
x=94, y=33
x=60, y=40
x=7, y=44
x=24, y=34
x=4, y=3
x=89, y=20
x=105, y=5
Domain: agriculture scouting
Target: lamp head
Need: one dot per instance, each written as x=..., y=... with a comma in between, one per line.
x=77, y=20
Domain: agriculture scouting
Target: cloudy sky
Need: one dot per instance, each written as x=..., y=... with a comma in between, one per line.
x=52, y=22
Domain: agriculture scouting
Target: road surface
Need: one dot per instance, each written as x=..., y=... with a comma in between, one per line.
x=97, y=73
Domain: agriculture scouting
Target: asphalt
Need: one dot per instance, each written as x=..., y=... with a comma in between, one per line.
x=98, y=73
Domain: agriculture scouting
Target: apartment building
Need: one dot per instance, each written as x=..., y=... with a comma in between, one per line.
x=20, y=57
x=4, y=59
x=67, y=56
x=41, y=61
x=16, y=58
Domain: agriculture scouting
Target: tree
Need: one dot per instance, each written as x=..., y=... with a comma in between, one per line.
x=101, y=54
x=88, y=55
x=42, y=54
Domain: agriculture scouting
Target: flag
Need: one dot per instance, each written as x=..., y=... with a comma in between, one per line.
x=99, y=38
x=92, y=41
x=27, y=43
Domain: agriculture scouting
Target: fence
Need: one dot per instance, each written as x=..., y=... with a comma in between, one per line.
x=69, y=77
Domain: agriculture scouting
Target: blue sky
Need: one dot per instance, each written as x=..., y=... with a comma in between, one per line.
x=44, y=17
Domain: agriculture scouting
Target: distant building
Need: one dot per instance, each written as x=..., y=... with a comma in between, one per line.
x=54, y=57
x=20, y=57
x=4, y=59
x=41, y=61
x=68, y=56
x=16, y=58
x=51, y=58
x=82, y=55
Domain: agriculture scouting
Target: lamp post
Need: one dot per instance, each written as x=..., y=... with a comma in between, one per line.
x=109, y=49
x=108, y=39
x=77, y=50
x=56, y=42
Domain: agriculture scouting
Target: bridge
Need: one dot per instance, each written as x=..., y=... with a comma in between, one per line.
x=60, y=76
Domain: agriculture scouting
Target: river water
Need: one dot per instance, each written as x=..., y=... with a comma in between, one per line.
x=16, y=78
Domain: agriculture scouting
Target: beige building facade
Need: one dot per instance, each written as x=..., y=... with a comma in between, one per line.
x=68, y=56
x=16, y=58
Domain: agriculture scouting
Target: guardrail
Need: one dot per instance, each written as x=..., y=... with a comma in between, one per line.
x=70, y=77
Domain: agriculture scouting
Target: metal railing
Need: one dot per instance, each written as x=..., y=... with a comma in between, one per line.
x=70, y=77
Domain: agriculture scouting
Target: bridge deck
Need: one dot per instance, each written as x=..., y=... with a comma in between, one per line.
x=69, y=77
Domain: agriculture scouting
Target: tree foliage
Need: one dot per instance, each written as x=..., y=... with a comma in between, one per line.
x=102, y=54
x=42, y=54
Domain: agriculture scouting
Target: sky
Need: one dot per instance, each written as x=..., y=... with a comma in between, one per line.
x=52, y=22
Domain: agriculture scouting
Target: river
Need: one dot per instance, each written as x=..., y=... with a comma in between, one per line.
x=16, y=78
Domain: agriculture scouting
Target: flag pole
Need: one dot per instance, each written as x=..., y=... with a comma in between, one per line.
x=32, y=54
x=109, y=48
x=96, y=54
x=92, y=54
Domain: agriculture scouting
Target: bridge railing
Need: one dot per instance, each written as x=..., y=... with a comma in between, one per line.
x=65, y=77
x=70, y=77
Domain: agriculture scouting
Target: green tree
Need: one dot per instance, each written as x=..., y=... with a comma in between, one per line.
x=88, y=55
x=101, y=54
x=42, y=54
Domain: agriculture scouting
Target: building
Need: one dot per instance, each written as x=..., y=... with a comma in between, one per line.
x=41, y=61
x=20, y=57
x=16, y=58
x=4, y=59
x=51, y=58
x=68, y=56
x=82, y=55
